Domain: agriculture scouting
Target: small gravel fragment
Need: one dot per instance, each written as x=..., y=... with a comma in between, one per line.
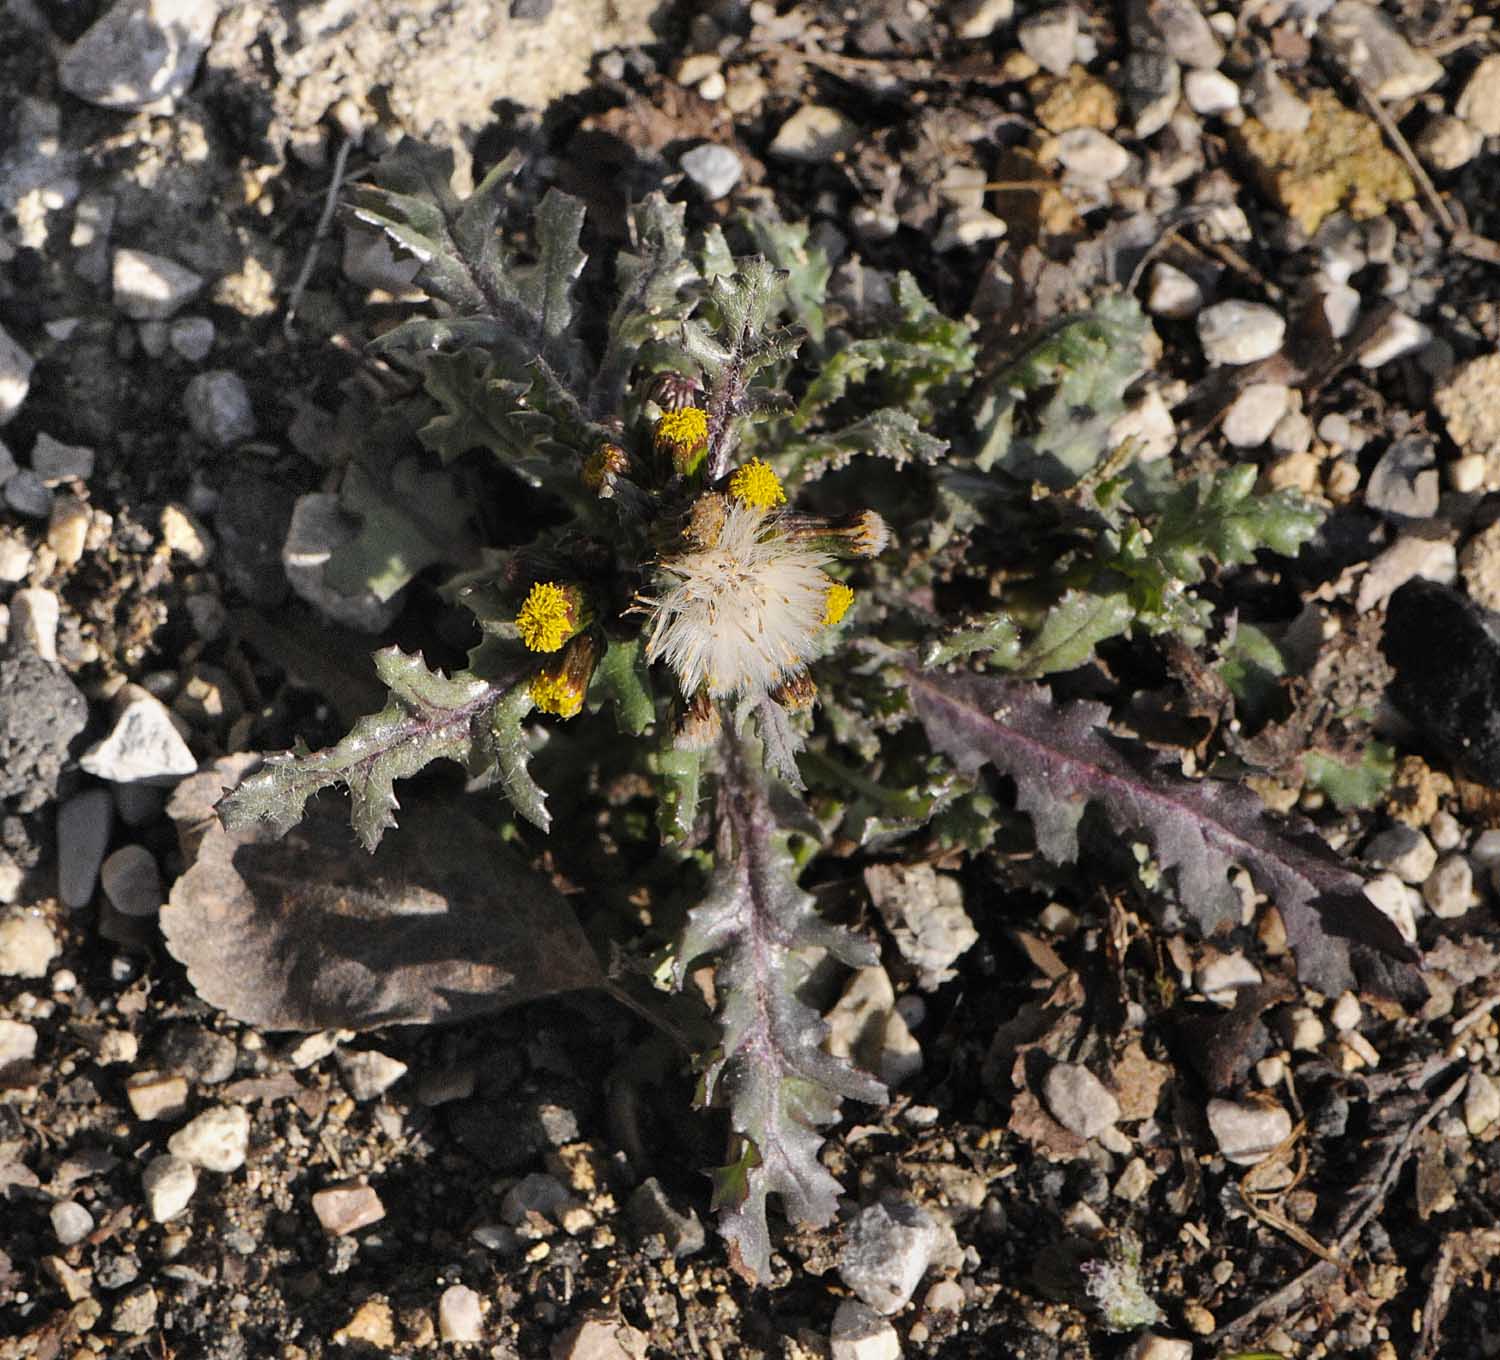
x=887, y=1251
x=15, y=376
x=34, y=616
x=68, y=529
x=151, y=287
x=1173, y=293
x=652, y=1212
x=135, y=1314
x=217, y=405
x=368, y=1072
x=17, y=1042
x=1410, y=556
x=1237, y=332
x=27, y=945
x=143, y=747
x=83, y=827
x=1449, y=889
x=169, y=1183
x=116, y=1046
x=1369, y=45
x=1481, y=1103
x=216, y=1140
x=1151, y=1347
x=714, y=169
x=15, y=559
x=459, y=1314
x=1050, y=38
x=1478, y=104
x=55, y=462
x=27, y=495
x=814, y=134
x=140, y=54
x=600, y=1339
x=131, y=881
x=1404, y=850
x=71, y=1222
x=1189, y=36
x=965, y=227
x=192, y=337
x=1401, y=334
x=1397, y=901
x=1405, y=481
x=1253, y=414
x=1210, y=93
x=537, y=1193
x=1466, y=401
x=1090, y=154
x=343, y=1209
x=1079, y=1101
x=154, y=1096
x=973, y=19
x=317, y=530
x=196, y=1053
x=1248, y=1133
x=860, y=1333
x=1220, y=976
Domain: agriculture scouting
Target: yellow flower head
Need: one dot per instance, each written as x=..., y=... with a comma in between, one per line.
x=836, y=603
x=682, y=436
x=551, y=615
x=557, y=693
x=757, y=486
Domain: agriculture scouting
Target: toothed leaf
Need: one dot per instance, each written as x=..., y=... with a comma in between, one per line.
x=506, y=743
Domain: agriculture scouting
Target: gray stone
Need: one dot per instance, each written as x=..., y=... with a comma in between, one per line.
x=217, y=405
x=8, y=465
x=132, y=881
x=460, y=1317
x=192, y=337
x=143, y=747
x=887, y=1250
x=27, y=495
x=1253, y=414
x=1402, y=849
x=714, y=169
x=1401, y=334
x=866, y=1025
x=1210, y=93
x=1248, y=1133
x=1481, y=1103
x=54, y=461
x=965, y=227
x=216, y=1140
x=1479, y=102
x=17, y=1043
x=318, y=529
x=652, y=1212
x=71, y=1222
x=343, y=1209
x=1405, y=480
x=1189, y=36
x=15, y=376
x=924, y=912
x=860, y=1333
x=1090, y=154
x=27, y=945
x=368, y=1073
x=1237, y=332
x=1368, y=44
x=1269, y=99
x=1449, y=889
x=1078, y=1100
x=974, y=19
x=34, y=616
x=1153, y=85
x=1050, y=38
x=41, y=712
x=1448, y=143
x=814, y=134
x=141, y=54
x=169, y=1183
x=83, y=827
x=198, y=1054
x=151, y=287
x=537, y=1193
x=1173, y=293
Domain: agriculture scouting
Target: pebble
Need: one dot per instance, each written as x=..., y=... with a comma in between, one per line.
x=1345, y=1012
x=1368, y=43
x=151, y=287
x=600, y=1339
x=12, y=876
x=135, y=1314
x=1270, y=1071
x=1189, y=36
x=924, y=912
x=15, y=376
x=27, y=495
x=1050, y=38
x=1236, y=332
x=27, y=945
x=1254, y=414
x=860, y=1333
x=68, y=530
x=1449, y=889
x=1149, y=1347
x=1397, y=902
x=1481, y=1103
x=537, y=1193
x=368, y=1073
x=140, y=54
x=1401, y=334
x=1466, y=401
x=1248, y=1133
x=965, y=227
x=653, y=1213
x=169, y=1183
x=1134, y=1181
x=83, y=826
x=1411, y=555
x=216, y=1140
x=197, y=1054
x=1448, y=143
x=117, y=1046
x=71, y=1222
x=184, y=533
x=1445, y=830
x=1079, y=1101
x=887, y=1250
x=343, y=1209
x=1478, y=104
x=132, y=881
x=1466, y=475
x=1153, y=87
x=1148, y=420
x=1273, y=103
x=866, y=1027
x=154, y=1096
x=192, y=337
x=1172, y=293
x=1210, y=93
x=460, y=1317
x=372, y=1327
x=714, y=169
x=1091, y=154
x=17, y=1042
x=1405, y=481
x=814, y=134
x=15, y=559
x=318, y=529
x=1220, y=976
x=55, y=462
x=34, y=616
x=1404, y=850
x=217, y=405
x=975, y=19
x=143, y=747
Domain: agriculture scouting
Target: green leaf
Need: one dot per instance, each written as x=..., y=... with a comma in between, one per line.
x=482, y=409
x=506, y=744
x=1222, y=518
x=1252, y=667
x=994, y=633
x=545, y=288
x=886, y=433
x=625, y=678
x=1347, y=786
x=807, y=268
x=1067, y=638
x=415, y=518
x=680, y=773
x=430, y=717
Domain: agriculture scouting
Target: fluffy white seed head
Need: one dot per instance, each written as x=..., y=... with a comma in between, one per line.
x=741, y=616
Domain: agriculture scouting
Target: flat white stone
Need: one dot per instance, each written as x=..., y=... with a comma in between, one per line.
x=1248, y=1133
x=216, y=1140
x=151, y=287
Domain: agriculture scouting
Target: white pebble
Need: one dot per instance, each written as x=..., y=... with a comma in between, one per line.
x=71, y=1222
x=1248, y=1133
x=27, y=945
x=1254, y=413
x=169, y=1183
x=1449, y=890
x=860, y=1333
x=1237, y=332
x=216, y=1140
x=1210, y=93
x=459, y=1315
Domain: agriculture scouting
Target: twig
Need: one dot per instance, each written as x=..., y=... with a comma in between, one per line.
x=325, y=219
x=1288, y=1295
x=1403, y=149
x=1475, y=1014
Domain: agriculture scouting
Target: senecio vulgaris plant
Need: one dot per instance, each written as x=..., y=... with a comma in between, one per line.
x=698, y=577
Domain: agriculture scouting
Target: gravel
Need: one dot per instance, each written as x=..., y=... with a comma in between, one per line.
x=151, y=287
x=1237, y=332
x=652, y=1212
x=715, y=170
x=27, y=945
x=1050, y=37
x=888, y=1247
x=15, y=376
x=368, y=1073
x=1248, y=1133
x=1210, y=93
x=143, y=747
x=55, y=462
x=27, y=495
x=132, y=881
x=41, y=713
x=1404, y=850
x=318, y=529
x=34, y=616
x=83, y=827
x=1449, y=890
x=17, y=1042
x=1481, y=1103
x=169, y=1183
x=217, y=406
x=71, y=1222
x=1079, y=1101
x=814, y=134
x=343, y=1209
x=1254, y=414
x=141, y=54
x=1404, y=482
x=216, y=1140
x=460, y=1317
x=1479, y=102
x=1370, y=46
x=860, y=1333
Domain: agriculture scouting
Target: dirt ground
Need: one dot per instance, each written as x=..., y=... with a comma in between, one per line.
x=532, y=1181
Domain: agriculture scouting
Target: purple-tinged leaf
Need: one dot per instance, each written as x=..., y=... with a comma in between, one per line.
x=1063, y=758
x=770, y=1068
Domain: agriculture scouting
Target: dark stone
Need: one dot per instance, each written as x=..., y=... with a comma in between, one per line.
x=198, y=1054
x=1404, y=482
x=530, y=9
x=654, y=1214
x=1446, y=657
x=41, y=711
x=254, y=514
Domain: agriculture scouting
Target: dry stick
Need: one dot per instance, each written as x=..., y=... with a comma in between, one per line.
x=1285, y=1297
x=1403, y=149
x=325, y=219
